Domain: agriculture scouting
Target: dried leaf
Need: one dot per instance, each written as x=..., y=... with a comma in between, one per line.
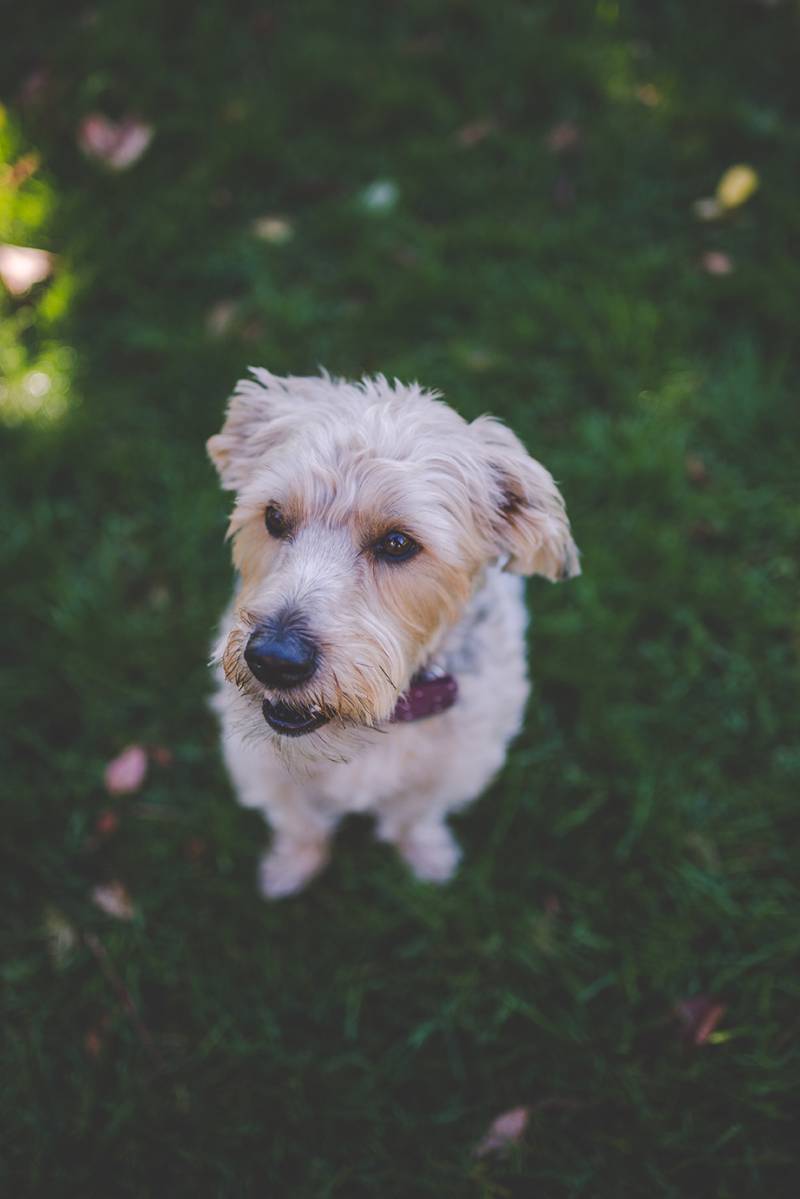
x=563, y=137
x=23, y=266
x=195, y=849
x=708, y=208
x=35, y=88
x=714, y=262
x=117, y=144
x=475, y=132
x=60, y=934
x=380, y=196
x=696, y=470
x=94, y=1042
x=125, y=774
x=699, y=1016
x=649, y=95
x=161, y=755
x=15, y=175
x=106, y=823
x=221, y=316
x=737, y=186
x=506, y=1130
x=274, y=229
x=113, y=899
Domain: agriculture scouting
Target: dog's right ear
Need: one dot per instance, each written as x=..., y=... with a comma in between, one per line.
x=252, y=426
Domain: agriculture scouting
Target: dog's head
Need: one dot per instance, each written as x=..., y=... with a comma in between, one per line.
x=365, y=517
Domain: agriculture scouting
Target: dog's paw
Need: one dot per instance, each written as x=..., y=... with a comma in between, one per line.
x=431, y=851
x=289, y=865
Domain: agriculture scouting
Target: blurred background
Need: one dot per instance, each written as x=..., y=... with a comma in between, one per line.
x=583, y=218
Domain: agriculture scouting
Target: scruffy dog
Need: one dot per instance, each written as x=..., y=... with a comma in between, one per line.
x=373, y=657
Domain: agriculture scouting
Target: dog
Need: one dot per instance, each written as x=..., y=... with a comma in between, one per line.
x=373, y=656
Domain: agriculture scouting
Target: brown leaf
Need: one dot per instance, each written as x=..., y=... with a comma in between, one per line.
x=23, y=266
x=117, y=144
x=107, y=823
x=563, y=137
x=17, y=174
x=273, y=229
x=696, y=470
x=475, y=132
x=93, y=1042
x=699, y=1016
x=161, y=755
x=195, y=849
x=707, y=208
x=504, y=1131
x=60, y=934
x=715, y=262
x=125, y=774
x=649, y=95
x=221, y=317
x=113, y=899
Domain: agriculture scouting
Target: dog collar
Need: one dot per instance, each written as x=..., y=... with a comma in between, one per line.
x=428, y=695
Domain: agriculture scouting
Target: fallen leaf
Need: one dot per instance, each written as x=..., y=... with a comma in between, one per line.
x=715, y=262
x=696, y=470
x=475, y=132
x=274, y=229
x=699, y=1016
x=221, y=316
x=117, y=144
x=195, y=849
x=17, y=174
x=126, y=773
x=113, y=899
x=93, y=1042
x=737, y=186
x=649, y=95
x=107, y=823
x=506, y=1130
x=60, y=934
x=161, y=755
x=23, y=266
x=708, y=208
x=380, y=196
x=563, y=137
x=35, y=88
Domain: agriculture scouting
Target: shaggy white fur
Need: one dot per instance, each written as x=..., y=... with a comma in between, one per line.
x=346, y=466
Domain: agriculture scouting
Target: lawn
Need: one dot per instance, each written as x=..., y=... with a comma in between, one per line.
x=500, y=201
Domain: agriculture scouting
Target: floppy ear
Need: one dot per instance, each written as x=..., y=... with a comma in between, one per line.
x=256, y=420
x=528, y=517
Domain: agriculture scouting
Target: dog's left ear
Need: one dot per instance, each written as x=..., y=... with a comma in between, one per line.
x=527, y=513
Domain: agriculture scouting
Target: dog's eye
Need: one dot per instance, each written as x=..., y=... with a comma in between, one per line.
x=396, y=547
x=276, y=522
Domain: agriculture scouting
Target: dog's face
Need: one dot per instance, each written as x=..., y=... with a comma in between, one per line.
x=365, y=517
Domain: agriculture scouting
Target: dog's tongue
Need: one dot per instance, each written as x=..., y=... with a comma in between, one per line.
x=427, y=696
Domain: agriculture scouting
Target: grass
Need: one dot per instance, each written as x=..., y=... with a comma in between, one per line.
x=640, y=846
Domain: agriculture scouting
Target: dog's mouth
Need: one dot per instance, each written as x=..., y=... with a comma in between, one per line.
x=292, y=722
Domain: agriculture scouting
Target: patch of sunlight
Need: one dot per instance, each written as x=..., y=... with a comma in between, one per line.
x=35, y=367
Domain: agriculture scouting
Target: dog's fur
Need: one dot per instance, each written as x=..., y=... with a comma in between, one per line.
x=346, y=463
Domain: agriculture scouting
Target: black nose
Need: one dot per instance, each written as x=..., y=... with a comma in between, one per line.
x=281, y=655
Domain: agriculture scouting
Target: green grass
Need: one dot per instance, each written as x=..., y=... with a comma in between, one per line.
x=357, y=1041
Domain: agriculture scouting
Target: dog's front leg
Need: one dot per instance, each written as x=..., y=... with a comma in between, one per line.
x=301, y=829
x=424, y=842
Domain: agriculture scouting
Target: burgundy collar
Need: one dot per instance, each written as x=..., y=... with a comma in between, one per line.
x=427, y=695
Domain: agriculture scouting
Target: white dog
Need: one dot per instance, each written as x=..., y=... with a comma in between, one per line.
x=373, y=657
